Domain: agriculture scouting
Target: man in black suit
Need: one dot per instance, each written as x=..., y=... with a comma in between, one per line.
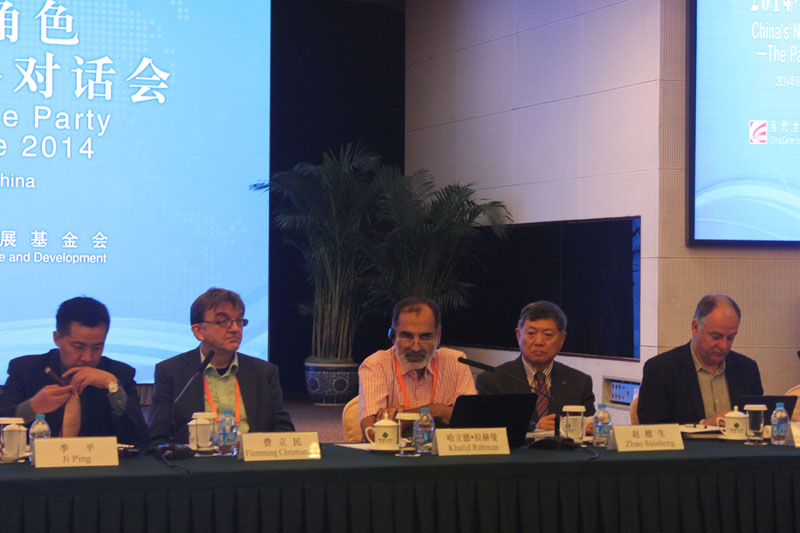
x=84, y=394
x=703, y=379
x=246, y=385
x=541, y=331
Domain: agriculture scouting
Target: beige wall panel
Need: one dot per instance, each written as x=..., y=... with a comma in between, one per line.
x=548, y=63
x=648, y=302
x=532, y=14
x=434, y=28
x=672, y=142
x=619, y=130
x=465, y=84
x=547, y=141
x=673, y=40
x=620, y=45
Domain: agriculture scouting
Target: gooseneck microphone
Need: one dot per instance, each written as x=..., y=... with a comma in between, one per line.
x=550, y=443
x=172, y=450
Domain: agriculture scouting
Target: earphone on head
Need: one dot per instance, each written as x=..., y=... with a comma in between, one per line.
x=390, y=333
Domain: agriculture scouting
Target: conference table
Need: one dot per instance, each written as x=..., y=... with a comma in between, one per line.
x=709, y=486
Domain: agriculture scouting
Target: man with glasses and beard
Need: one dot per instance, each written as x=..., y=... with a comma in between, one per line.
x=414, y=372
x=246, y=385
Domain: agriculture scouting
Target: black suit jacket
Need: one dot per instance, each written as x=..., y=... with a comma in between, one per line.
x=568, y=386
x=26, y=377
x=670, y=392
x=258, y=381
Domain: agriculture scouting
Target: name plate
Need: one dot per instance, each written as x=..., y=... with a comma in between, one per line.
x=278, y=446
x=472, y=441
x=646, y=438
x=793, y=436
x=75, y=451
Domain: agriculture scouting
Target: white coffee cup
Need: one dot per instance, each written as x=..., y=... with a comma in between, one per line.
x=385, y=435
x=572, y=422
x=199, y=433
x=735, y=424
x=14, y=441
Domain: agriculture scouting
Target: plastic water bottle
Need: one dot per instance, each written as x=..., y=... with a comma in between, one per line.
x=227, y=433
x=780, y=425
x=39, y=430
x=602, y=426
x=424, y=428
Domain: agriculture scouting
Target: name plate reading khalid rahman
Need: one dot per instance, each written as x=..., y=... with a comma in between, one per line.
x=472, y=441
x=278, y=446
x=75, y=451
x=646, y=438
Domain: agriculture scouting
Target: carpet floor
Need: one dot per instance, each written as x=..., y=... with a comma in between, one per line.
x=324, y=419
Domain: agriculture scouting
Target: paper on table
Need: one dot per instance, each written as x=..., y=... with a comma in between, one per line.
x=699, y=428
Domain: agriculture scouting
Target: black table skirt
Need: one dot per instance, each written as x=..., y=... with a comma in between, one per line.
x=710, y=486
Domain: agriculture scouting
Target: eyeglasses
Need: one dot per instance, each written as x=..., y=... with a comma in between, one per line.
x=226, y=323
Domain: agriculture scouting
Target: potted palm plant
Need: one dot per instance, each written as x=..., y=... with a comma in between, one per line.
x=326, y=211
x=370, y=236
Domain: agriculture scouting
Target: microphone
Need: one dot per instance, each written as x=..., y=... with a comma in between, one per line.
x=172, y=450
x=549, y=443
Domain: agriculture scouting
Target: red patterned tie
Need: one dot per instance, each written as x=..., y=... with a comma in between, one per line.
x=542, y=403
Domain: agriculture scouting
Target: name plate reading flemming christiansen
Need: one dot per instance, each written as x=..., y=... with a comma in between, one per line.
x=472, y=441
x=279, y=446
x=646, y=438
x=75, y=451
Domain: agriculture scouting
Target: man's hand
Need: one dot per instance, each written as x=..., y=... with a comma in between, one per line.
x=49, y=398
x=391, y=411
x=712, y=421
x=83, y=376
x=547, y=422
x=441, y=413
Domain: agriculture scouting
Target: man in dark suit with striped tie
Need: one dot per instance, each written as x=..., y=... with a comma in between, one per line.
x=541, y=331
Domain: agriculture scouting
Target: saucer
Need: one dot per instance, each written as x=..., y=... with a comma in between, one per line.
x=383, y=450
x=725, y=437
x=405, y=415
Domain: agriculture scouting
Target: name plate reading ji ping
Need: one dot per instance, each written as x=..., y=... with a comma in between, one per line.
x=279, y=446
x=646, y=438
x=472, y=441
x=75, y=451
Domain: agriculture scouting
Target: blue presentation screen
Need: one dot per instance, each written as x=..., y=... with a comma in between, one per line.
x=129, y=134
x=747, y=121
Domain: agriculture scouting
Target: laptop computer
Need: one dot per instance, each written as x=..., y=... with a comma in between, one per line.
x=770, y=401
x=511, y=411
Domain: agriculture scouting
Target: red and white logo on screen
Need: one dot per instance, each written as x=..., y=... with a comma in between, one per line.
x=758, y=132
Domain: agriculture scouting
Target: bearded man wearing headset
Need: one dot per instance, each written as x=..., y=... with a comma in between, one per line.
x=414, y=372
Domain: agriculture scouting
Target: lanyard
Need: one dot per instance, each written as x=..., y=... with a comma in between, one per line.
x=211, y=400
x=407, y=402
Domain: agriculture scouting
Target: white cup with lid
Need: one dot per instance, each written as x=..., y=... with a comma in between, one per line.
x=385, y=435
x=735, y=427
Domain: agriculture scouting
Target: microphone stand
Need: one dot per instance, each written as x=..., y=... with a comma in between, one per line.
x=556, y=442
x=173, y=450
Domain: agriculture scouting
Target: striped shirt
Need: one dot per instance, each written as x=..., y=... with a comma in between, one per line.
x=378, y=386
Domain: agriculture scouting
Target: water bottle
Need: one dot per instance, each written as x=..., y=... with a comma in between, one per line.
x=602, y=426
x=424, y=428
x=780, y=425
x=227, y=433
x=39, y=430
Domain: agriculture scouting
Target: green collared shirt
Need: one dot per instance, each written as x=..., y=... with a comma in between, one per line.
x=714, y=388
x=223, y=390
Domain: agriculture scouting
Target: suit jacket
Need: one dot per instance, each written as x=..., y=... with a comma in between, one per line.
x=568, y=386
x=26, y=377
x=258, y=382
x=670, y=392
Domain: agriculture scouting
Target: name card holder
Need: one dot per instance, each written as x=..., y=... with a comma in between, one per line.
x=793, y=436
x=646, y=438
x=75, y=451
x=472, y=441
x=278, y=446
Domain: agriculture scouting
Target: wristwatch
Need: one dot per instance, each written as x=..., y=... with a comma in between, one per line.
x=113, y=387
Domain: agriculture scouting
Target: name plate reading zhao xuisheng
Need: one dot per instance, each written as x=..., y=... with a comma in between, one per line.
x=646, y=438
x=472, y=441
x=279, y=446
x=75, y=451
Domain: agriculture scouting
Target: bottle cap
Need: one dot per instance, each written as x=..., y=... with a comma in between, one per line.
x=601, y=406
x=424, y=410
x=227, y=412
x=779, y=405
x=39, y=416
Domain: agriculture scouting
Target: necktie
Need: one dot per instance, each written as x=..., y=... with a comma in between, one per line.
x=71, y=425
x=542, y=403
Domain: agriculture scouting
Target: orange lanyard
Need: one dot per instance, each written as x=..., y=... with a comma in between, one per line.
x=402, y=382
x=213, y=407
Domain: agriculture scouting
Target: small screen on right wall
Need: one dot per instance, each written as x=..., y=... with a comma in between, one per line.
x=743, y=129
